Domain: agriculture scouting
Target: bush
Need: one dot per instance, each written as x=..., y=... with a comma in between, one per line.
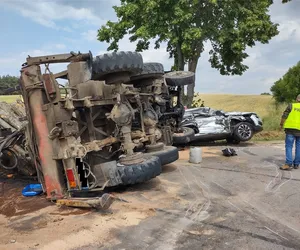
x=272, y=120
x=287, y=88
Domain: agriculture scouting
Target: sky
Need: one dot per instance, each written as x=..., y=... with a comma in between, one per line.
x=41, y=27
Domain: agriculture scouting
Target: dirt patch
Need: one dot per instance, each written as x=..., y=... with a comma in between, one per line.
x=67, y=211
x=69, y=228
x=169, y=168
x=12, y=203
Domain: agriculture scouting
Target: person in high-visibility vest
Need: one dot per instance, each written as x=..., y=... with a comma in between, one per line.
x=290, y=121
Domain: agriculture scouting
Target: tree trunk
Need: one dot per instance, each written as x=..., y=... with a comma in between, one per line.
x=180, y=67
x=192, y=66
x=180, y=58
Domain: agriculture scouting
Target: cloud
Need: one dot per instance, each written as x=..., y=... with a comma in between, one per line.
x=90, y=35
x=267, y=63
x=289, y=30
x=49, y=13
x=12, y=65
x=60, y=46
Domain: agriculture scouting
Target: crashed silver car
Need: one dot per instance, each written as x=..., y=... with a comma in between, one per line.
x=211, y=125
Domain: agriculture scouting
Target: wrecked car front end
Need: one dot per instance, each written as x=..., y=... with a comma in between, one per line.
x=218, y=125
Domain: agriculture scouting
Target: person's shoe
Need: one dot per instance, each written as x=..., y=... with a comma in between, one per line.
x=296, y=166
x=286, y=167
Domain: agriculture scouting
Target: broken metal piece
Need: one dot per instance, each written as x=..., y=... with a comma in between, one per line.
x=102, y=203
x=59, y=58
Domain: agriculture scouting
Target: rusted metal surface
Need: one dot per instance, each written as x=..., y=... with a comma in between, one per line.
x=103, y=202
x=49, y=86
x=58, y=58
x=99, y=144
x=51, y=170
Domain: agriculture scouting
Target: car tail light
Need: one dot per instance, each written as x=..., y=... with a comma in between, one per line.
x=71, y=178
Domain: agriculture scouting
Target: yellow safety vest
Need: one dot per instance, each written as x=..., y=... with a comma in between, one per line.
x=293, y=120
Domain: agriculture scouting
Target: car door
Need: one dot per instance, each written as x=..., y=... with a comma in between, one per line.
x=211, y=124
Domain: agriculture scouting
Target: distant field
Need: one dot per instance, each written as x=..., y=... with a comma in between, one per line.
x=263, y=105
x=9, y=98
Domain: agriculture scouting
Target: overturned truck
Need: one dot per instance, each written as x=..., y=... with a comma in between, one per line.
x=98, y=130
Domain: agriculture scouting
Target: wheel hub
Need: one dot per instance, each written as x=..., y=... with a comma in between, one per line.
x=244, y=131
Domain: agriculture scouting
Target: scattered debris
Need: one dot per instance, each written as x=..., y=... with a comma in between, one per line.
x=229, y=152
x=32, y=190
x=14, y=158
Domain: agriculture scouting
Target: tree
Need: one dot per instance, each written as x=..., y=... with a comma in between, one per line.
x=8, y=82
x=287, y=88
x=185, y=25
x=265, y=93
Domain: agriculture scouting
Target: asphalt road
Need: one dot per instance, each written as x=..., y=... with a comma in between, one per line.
x=241, y=202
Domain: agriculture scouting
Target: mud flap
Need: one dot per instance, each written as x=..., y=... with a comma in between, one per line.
x=110, y=173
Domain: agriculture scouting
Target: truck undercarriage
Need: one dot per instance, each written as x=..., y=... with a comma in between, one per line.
x=99, y=130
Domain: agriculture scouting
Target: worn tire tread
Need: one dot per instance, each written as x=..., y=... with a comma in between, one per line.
x=123, y=61
x=142, y=172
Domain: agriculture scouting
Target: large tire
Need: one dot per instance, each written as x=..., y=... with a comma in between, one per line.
x=141, y=172
x=131, y=62
x=150, y=70
x=168, y=155
x=155, y=147
x=185, y=137
x=8, y=159
x=243, y=131
x=180, y=78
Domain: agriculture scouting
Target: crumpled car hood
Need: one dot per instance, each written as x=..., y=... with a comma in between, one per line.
x=239, y=113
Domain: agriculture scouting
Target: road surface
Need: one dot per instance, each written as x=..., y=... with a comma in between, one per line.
x=241, y=202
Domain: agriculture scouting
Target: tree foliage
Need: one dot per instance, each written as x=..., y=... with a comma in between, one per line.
x=8, y=82
x=287, y=88
x=185, y=25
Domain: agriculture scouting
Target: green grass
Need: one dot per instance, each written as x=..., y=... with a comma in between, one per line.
x=9, y=98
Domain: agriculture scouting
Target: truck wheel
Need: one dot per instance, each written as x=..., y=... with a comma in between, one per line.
x=186, y=136
x=167, y=155
x=150, y=70
x=180, y=78
x=141, y=172
x=116, y=62
x=155, y=147
x=9, y=159
x=243, y=131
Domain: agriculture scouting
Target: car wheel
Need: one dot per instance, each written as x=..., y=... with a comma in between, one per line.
x=184, y=137
x=243, y=131
x=180, y=78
